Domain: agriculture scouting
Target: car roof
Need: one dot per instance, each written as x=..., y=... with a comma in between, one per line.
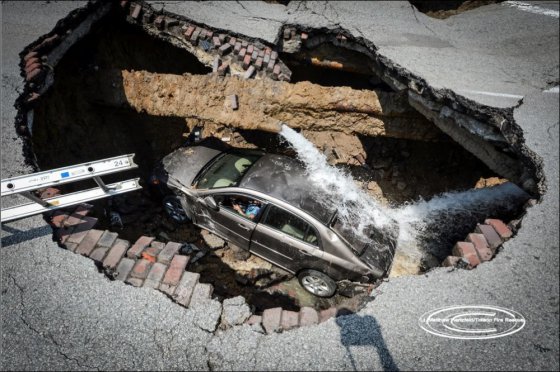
x=286, y=179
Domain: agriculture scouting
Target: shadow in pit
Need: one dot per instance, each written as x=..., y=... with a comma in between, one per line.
x=363, y=330
x=214, y=271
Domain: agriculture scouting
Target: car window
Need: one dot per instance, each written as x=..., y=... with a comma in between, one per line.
x=290, y=224
x=240, y=204
x=227, y=171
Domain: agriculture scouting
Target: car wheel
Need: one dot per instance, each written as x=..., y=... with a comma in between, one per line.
x=174, y=209
x=317, y=283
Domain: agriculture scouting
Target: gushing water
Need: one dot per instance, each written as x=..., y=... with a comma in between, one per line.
x=419, y=223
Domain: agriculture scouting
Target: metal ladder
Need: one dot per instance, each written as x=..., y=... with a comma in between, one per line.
x=24, y=185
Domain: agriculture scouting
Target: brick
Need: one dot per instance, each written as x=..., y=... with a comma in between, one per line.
x=254, y=56
x=123, y=269
x=176, y=269
x=136, y=250
x=222, y=37
x=115, y=254
x=481, y=246
x=254, y=319
x=250, y=49
x=244, y=43
x=276, y=70
x=232, y=41
x=30, y=55
x=155, y=275
x=82, y=210
x=185, y=289
x=32, y=61
x=73, y=220
x=223, y=69
x=32, y=67
x=492, y=237
x=237, y=48
x=189, y=32
x=107, y=239
x=266, y=59
x=274, y=55
x=152, y=251
x=209, y=34
x=224, y=49
x=289, y=320
x=201, y=293
x=501, y=228
x=79, y=232
x=98, y=254
x=136, y=11
x=141, y=269
x=308, y=316
x=259, y=63
x=167, y=253
x=466, y=250
x=246, y=61
x=160, y=22
x=326, y=314
x=215, y=64
x=261, y=53
x=242, y=53
x=249, y=72
x=270, y=65
x=304, y=36
x=450, y=261
x=194, y=36
x=167, y=289
x=88, y=243
x=216, y=41
x=71, y=246
x=135, y=282
x=271, y=319
x=58, y=219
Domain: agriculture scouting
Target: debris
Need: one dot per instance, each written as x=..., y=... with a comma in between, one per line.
x=115, y=219
x=234, y=103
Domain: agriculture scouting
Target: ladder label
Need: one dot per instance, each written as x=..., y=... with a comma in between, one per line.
x=65, y=174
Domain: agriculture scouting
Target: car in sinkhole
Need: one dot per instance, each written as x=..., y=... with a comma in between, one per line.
x=265, y=204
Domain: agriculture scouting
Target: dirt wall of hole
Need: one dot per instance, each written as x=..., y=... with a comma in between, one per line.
x=71, y=126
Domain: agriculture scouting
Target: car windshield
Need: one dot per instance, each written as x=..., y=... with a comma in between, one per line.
x=226, y=171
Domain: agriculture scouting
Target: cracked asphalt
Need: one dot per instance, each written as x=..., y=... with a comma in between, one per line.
x=59, y=313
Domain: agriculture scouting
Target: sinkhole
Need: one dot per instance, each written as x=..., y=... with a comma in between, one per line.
x=126, y=88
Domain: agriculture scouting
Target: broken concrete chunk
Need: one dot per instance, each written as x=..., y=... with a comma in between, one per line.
x=235, y=311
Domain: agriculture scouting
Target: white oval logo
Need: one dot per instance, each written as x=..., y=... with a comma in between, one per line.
x=472, y=322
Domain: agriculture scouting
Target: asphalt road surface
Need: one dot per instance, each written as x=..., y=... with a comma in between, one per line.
x=58, y=312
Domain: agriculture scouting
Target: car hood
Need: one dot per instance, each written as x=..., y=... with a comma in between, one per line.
x=185, y=163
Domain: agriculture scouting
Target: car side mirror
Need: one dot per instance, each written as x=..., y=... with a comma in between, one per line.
x=211, y=203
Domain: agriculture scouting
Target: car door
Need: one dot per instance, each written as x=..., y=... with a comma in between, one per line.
x=226, y=222
x=286, y=240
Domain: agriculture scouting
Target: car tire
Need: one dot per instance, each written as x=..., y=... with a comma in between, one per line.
x=174, y=209
x=317, y=283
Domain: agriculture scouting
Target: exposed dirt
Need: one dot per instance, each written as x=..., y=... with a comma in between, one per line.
x=264, y=103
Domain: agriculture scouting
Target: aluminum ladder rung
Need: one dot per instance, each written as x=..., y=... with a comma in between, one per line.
x=20, y=184
x=67, y=200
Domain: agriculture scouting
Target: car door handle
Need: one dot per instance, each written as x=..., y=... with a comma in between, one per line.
x=243, y=227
